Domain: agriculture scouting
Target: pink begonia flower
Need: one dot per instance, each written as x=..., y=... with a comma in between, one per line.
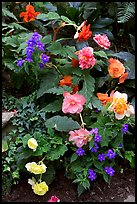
x=86, y=58
x=120, y=107
x=102, y=40
x=80, y=137
x=54, y=199
x=73, y=103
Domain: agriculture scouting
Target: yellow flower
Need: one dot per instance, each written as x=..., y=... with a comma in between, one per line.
x=32, y=144
x=120, y=107
x=35, y=168
x=40, y=188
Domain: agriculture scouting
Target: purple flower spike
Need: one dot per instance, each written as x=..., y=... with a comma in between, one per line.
x=20, y=62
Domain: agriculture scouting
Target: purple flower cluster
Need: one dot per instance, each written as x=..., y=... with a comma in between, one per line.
x=125, y=128
x=109, y=170
x=33, y=42
x=97, y=139
x=95, y=147
x=80, y=151
x=92, y=174
x=101, y=157
x=110, y=154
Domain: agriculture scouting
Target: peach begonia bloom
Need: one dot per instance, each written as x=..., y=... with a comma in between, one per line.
x=67, y=80
x=123, y=77
x=120, y=107
x=30, y=14
x=80, y=137
x=102, y=40
x=36, y=168
x=115, y=68
x=86, y=58
x=85, y=32
x=73, y=103
x=104, y=98
x=32, y=144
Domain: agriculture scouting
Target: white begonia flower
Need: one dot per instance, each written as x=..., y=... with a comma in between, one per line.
x=32, y=144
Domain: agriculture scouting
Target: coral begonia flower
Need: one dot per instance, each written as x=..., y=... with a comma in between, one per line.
x=120, y=107
x=86, y=58
x=75, y=89
x=123, y=77
x=30, y=14
x=80, y=137
x=102, y=40
x=67, y=80
x=73, y=103
x=115, y=68
x=75, y=62
x=85, y=32
x=104, y=98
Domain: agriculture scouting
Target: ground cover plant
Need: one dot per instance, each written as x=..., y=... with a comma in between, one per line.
x=79, y=110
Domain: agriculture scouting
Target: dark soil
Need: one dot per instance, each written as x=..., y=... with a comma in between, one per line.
x=122, y=185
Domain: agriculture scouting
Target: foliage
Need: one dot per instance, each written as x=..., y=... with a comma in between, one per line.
x=41, y=56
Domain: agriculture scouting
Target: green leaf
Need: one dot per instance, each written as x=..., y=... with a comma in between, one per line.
x=25, y=139
x=88, y=87
x=50, y=80
x=56, y=153
x=96, y=103
x=53, y=15
x=101, y=53
x=80, y=189
x=98, y=165
x=106, y=178
x=62, y=123
x=4, y=145
x=67, y=20
x=102, y=22
x=6, y=12
x=47, y=39
x=73, y=157
x=42, y=16
x=86, y=184
x=53, y=107
x=59, y=90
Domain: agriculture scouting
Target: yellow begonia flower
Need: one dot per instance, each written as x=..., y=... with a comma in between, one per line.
x=120, y=107
x=32, y=144
x=40, y=188
x=35, y=168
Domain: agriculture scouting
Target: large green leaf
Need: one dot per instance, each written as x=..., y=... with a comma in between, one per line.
x=102, y=22
x=62, y=123
x=6, y=12
x=101, y=53
x=51, y=79
x=53, y=107
x=59, y=90
x=88, y=86
x=57, y=152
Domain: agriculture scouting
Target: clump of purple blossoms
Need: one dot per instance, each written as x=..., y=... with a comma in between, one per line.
x=109, y=170
x=94, y=131
x=92, y=174
x=20, y=62
x=80, y=151
x=125, y=128
x=110, y=154
x=95, y=147
x=97, y=138
x=101, y=157
x=44, y=58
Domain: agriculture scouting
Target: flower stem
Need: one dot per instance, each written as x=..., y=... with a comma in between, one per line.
x=82, y=122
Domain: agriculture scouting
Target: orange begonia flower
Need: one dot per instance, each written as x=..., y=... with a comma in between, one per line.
x=85, y=32
x=104, y=98
x=75, y=62
x=67, y=80
x=115, y=68
x=30, y=14
x=123, y=77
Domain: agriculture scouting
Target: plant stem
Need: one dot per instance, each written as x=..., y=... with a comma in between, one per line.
x=82, y=122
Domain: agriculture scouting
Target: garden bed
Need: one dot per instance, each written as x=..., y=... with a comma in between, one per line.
x=121, y=186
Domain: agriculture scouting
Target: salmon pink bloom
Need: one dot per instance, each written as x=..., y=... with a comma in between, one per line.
x=30, y=14
x=73, y=103
x=104, y=98
x=115, y=68
x=67, y=80
x=80, y=137
x=86, y=58
x=102, y=41
x=120, y=107
x=123, y=77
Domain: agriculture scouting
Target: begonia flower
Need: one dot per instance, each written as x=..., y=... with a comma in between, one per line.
x=67, y=81
x=85, y=32
x=104, y=98
x=80, y=137
x=54, y=199
x=115, y=68
x=30, y=14
x=86, y=58
x=123, y=77
x=73, y=103
x=32, y=144
x=120, y=107
x=35, y=168
x=102, y=40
